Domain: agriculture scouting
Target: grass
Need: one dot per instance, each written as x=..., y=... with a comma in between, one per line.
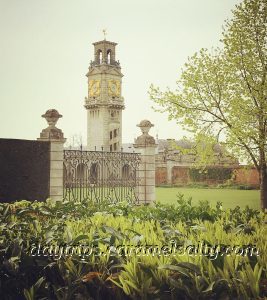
x=229, y=197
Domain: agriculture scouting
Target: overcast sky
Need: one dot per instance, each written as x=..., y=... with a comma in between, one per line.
x=46, y=47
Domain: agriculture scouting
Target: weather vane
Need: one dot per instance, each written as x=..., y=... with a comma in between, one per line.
x=105, y=33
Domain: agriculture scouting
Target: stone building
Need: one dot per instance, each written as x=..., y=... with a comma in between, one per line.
x=172, y=150
x=174, y=165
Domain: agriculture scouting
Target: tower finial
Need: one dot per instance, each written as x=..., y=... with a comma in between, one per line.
x=105, y=33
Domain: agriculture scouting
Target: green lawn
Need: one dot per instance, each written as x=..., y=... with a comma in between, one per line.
x=230, y=198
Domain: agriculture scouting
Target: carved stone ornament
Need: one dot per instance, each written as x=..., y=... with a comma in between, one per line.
x=145, y=139
x=52, y=132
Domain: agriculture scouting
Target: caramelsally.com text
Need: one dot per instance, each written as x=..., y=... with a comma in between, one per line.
x=83, y=251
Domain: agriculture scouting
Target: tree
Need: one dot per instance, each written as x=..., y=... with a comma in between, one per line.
x=222, y=93
x=75, y=141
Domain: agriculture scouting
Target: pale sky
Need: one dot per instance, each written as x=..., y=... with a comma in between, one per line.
x=46, y=47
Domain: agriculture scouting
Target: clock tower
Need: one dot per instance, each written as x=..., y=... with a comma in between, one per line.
x=104, y=103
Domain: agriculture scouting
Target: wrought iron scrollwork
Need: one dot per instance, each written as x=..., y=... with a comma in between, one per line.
x=99, y=175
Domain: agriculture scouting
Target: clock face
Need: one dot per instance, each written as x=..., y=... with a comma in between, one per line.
x=114, y=88
x=94, y=88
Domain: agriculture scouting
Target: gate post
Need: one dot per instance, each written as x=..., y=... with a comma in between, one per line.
x=169, y=164
x=145, y=144
x=57, y=140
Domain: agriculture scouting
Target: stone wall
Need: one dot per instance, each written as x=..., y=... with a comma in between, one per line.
x=180, y=175
x=161, y=175
x=247, y=176
x=24, y=170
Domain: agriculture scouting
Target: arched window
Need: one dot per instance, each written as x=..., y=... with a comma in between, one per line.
x=109, y=56
x=99, y=56
x=66, y=177
x=81, y=172
x=125, y=172
x=94, y=173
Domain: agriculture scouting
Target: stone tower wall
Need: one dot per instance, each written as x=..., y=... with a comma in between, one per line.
x=104, y=110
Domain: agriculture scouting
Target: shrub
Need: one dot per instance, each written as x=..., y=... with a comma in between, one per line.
x=217, y=174
x=105, y=226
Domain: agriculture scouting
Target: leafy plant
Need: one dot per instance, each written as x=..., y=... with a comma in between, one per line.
x=120, y=251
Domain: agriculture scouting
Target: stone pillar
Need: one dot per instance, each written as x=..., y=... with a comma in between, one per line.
x=169, y=164
x=146, y=146
x=57, y=140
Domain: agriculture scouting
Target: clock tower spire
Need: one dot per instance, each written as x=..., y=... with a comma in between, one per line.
x=104, y=103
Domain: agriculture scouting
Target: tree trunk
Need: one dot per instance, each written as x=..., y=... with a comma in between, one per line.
x=263, y=187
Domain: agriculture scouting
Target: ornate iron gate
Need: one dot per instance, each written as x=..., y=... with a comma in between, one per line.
x=99, y=175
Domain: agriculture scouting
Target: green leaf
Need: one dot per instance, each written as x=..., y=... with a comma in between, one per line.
x=209, y=288
x=29, y=294
x=192, y=267
x=68, y=235
x=38, y=283
x=79, y=238
x=114, y=232
x=6, y=211
x=174, y=268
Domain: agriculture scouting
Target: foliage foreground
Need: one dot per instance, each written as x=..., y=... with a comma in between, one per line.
x=120, y=251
